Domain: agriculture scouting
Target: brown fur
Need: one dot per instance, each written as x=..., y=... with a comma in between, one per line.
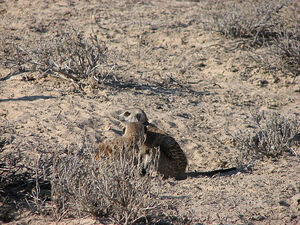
x=172, y=161
x=133, y=138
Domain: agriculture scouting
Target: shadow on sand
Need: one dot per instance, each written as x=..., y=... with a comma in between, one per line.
x=27, y=98
x=221, y=172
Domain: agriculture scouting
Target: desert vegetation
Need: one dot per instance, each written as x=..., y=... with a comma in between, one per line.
x=268, y=25
x=274, y=136
x=222, y=77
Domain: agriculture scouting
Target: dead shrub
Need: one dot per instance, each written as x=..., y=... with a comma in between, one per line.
x=68, y=54
x=38, y=199
x=257, y=21
x=71, y=183
x=261, y=24
x=275, y=135
x=106, y=188
x=24, y=183
x=282, y=55
x=24, y=175
x=287, y=48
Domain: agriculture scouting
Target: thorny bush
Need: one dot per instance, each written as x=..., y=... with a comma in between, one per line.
x=105, y=188
x=261, y=24
x=67, y=53
x=275, y=135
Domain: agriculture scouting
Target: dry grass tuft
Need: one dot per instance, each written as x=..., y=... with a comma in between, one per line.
x=261, y=24
x=287, y=48
x=105, y=188
x=275, y=135
x=67, y=54
x=72, y=184
x=253, y=20
x=24, y=184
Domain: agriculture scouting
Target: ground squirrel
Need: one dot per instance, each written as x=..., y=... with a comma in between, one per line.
x=131, y=142
x=172, y=160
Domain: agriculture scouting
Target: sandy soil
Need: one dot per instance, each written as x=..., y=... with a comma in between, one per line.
x=192, y=83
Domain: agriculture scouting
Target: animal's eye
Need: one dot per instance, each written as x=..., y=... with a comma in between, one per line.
x=126, y=113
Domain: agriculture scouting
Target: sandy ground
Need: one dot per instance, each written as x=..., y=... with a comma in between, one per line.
x=192, y=83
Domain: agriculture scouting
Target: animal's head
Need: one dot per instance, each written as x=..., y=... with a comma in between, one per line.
x=134, y=115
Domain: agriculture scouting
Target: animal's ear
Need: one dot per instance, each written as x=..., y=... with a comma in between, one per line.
x=123, y=130
x=138, y=116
